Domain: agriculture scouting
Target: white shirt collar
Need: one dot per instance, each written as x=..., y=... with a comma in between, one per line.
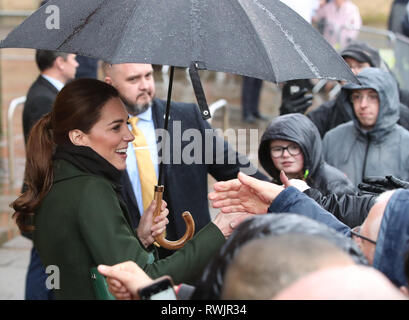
x=56, y=83
x=146, y=115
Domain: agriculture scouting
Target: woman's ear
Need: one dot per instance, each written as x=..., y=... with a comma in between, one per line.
x=78, y=138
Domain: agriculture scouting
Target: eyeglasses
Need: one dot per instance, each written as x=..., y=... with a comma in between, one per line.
x=277, y=152
x=358, y=97
x=355, y=232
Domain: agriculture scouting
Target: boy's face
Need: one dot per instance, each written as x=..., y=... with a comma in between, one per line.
x=366, y=107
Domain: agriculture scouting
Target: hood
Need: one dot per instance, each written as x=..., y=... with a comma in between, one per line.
x=297, y=128
x=393, y=238
x=387, y=88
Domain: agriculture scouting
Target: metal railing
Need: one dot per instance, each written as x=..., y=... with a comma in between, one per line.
x=393, y=48
x=15, y=13
x=10, y=136
x=220, y=104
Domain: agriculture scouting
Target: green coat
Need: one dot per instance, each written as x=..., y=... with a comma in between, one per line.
x=80, y=225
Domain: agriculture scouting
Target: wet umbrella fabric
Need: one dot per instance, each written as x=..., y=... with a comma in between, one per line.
x=258, y=38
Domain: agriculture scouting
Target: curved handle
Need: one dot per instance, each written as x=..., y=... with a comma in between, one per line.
x=190, y=225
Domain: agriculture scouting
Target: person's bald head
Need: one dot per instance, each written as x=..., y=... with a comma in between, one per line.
x=342, y=283
x=372, y=224
x=134, y=82
x=262, y=267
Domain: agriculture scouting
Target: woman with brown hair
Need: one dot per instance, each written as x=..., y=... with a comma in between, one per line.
x=73, y=204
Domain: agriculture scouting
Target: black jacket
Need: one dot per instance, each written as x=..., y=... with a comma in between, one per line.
x=40, y=99
x=299, y=129
x=349, y=209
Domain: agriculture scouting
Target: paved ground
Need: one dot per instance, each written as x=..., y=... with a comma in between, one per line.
x=14, y=258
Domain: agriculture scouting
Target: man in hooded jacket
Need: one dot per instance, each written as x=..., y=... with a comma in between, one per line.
x=317, y=173
x=358, y=55
x=371, y=144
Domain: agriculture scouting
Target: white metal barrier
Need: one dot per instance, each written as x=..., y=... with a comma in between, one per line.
x=220, y=104
x=10, y=136
x=15, y=13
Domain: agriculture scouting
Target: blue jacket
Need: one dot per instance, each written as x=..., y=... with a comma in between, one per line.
x=393, y=238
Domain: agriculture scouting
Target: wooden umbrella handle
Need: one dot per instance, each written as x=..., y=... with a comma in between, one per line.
x=190, y=225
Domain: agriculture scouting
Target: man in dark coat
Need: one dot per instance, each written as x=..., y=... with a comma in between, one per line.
x=186, y=184
x=56, y=69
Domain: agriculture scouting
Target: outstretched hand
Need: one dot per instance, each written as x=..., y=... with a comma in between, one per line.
x=377, y=185
x=124, y=279
x=301, y=185
x=244, y=194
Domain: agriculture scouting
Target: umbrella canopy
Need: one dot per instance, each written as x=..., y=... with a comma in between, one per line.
x=258, y=38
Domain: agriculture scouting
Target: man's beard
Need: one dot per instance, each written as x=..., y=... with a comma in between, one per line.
x=135, y=108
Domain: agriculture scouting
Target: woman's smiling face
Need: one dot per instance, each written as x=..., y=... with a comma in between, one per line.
x=109, y=137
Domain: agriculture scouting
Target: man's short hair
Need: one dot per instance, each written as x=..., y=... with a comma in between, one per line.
x=45, y=58
x=263, y=267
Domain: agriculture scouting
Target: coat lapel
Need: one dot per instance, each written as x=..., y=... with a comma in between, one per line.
x=45, y=83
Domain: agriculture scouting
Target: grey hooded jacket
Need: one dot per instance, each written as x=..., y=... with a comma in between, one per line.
x=381, y=151
x=298, y=128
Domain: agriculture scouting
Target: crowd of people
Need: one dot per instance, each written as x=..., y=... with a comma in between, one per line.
x=330, y=222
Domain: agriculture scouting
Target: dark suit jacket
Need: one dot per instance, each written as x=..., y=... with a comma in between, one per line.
x=186, y=184
x=40, y=99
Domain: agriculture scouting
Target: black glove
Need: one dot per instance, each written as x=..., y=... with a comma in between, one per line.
x=298, y=102
x=377, y=185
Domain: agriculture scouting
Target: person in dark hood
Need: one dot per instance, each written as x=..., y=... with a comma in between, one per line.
x=263, y=226
x=292, y=143
x=383, y=237
x=371, y=143
x=358, y=55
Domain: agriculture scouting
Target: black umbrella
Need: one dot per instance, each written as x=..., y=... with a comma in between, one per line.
x=257, y=38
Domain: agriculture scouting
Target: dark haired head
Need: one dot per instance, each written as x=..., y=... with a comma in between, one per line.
x=45, y=58
x=77, y=106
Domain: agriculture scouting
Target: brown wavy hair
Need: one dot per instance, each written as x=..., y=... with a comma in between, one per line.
x=77, y=106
